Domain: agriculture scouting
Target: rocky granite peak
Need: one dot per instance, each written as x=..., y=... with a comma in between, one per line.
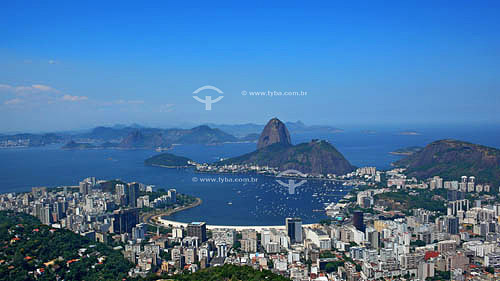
x=276, y=150
x=274, y=132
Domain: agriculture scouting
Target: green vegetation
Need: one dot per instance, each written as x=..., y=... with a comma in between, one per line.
x=181, y=199
x=28, y=247
x=333, y=266
x=439, y=276
x=417, y=243
x=153, y=228
x=407, y=150
x=364, y=210
x=424, y=200
x=167, y=160
x=327, y=254
x=227, y=272
x=237, y=245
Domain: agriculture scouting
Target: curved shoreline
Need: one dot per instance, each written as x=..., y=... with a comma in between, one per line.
x=258, y=228
x=156, y=219
x=150, y=217
x=196, y=203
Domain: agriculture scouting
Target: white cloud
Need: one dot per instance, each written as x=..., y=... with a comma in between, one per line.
x=35, y=88
x=169, y=107
x=13, y=101
x=5, y=87
x=52, y=62
x=23, y=88
x=38, y=95
x=74, y=98
x=121, y=102
x=43, y=87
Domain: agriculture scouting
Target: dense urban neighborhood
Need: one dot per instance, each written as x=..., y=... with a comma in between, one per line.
x=388, y=226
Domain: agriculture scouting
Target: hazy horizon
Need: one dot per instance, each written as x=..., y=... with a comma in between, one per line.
x=346, y=127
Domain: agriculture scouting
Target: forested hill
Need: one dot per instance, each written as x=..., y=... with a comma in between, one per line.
x=32, y=251
x=230, y=273
x=452, y=159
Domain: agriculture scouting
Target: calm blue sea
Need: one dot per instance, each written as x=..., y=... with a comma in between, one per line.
x=262, y=202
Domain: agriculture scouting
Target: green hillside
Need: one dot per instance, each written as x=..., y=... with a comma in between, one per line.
x=28, y=247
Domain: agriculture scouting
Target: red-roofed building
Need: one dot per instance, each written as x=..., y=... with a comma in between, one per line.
x=71, y=261
x=431, y=254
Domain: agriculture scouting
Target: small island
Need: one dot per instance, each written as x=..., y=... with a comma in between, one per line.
x=73, y=145
x=407, y=150
x=78, y=145
x=168, y=160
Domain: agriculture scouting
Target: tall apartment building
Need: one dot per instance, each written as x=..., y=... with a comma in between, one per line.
x=124, y=220
x=197, y=229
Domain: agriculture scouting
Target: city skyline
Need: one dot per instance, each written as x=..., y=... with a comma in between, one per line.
x=282, y=140
x=400, y=63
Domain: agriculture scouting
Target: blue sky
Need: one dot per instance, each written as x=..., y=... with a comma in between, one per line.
x=69, y=66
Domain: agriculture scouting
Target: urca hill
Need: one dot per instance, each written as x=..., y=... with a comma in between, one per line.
x=452, y=159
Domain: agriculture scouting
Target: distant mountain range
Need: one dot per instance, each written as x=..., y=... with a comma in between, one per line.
x=274, y=149
x=298, y=127
x=137, y=136
x=452, y=159
x=126, y=137
x=133, y=138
